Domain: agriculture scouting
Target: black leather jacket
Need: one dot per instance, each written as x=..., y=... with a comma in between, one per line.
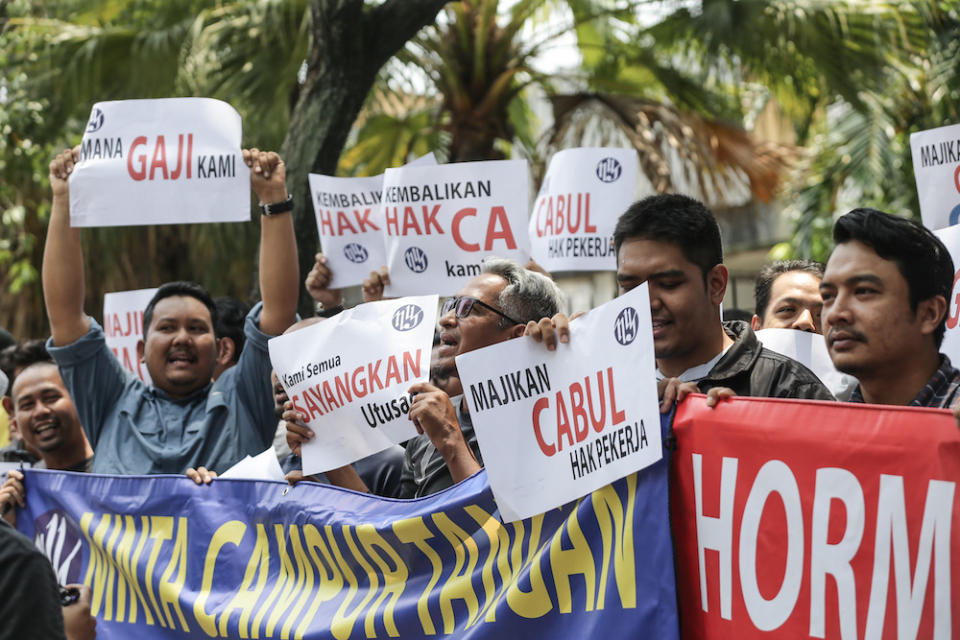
x=751, y=370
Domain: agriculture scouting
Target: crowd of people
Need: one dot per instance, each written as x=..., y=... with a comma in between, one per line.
x=881, y=303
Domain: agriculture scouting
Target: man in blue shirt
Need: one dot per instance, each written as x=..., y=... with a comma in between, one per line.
x=183, y=419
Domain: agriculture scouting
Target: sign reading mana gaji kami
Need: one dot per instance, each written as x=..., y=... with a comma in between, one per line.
x=350, y=375
x=123, y=327
x=442, y=221
x=936, y=167
x=805, y=519
x=584, y=192
x=165, y=161
x=554, y=426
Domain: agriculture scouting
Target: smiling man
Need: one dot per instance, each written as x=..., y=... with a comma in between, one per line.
x=885, y=294
x=183, y=419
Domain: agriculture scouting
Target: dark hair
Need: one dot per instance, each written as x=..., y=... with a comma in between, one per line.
x=921, y=257
x=179, y=288
x=23, y=355
x=679, y=220
x=231, y=316
x=772, y=271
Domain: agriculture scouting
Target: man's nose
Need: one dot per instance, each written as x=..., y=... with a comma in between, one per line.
x=837, y=312
x=804, y=321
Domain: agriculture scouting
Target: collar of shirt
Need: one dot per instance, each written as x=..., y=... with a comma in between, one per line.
x=697, y=372
x=940, y=391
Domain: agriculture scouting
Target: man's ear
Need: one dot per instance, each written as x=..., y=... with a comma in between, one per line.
x=8, y=406
x=755, y=323
x=140, y=350
x=517, y=331
x=226, y=350
x=930, y=313
x=717, y=279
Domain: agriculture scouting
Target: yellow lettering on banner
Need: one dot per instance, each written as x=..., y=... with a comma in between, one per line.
x=134, y=563
x=257, y=566
x=170, y=591
x=578, y=560
x=499, y=548
x=394, y=579
x=342, y=624
x=329, y=584
x=616, y=529
x=111, y=569
x=227, y=533
x=98, y=566
x=161, y=530
x=459, y=585
x=283, y=583
x=289, y=585
x=536, y=602
x=414, y=531
x=306, y=570
x=125, y=578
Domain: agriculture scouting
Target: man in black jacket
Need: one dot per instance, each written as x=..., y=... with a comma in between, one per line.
x=672, y=243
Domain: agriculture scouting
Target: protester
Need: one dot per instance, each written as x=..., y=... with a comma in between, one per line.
x=183, y=419
x=885, y=292
x=231, y=316
x=672, y=243
x=788, y=296
x=17, y=450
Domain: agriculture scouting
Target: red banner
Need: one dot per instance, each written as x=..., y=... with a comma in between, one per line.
x=816, y=520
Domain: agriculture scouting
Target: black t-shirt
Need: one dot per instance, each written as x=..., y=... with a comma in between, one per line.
x=29, y=597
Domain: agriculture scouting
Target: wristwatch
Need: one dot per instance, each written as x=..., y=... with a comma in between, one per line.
x=275, y=208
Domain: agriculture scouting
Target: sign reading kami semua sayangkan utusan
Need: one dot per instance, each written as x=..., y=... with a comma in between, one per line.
x=350, y=374
x=442, y=221
x=164, y=161
x=554, y=426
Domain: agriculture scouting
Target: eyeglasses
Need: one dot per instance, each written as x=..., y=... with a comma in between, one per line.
x=464, y=305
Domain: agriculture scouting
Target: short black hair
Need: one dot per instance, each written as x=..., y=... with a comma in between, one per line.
x=23, y=355
x=179, y=288
x=679, y=220
x=772, y=271
x=921, y=257
x=231, y=315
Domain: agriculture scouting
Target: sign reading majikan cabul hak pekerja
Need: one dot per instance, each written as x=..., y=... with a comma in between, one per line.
x=165, y=161
x=350, y=374
x=123, y=327
x=556, y=425
x=582, y=195
x=442, y=221
x=936, y=167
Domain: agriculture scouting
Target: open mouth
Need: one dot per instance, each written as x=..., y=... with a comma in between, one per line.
x=659, y=326
x=448, y=344
x=45, y=429
x=182, y=359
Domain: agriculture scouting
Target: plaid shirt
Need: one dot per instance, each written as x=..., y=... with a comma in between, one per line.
x=942, y=391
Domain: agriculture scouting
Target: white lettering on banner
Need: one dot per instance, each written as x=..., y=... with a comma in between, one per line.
x=910, y=584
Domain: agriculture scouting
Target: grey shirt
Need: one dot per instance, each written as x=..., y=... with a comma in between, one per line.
x=138, y=429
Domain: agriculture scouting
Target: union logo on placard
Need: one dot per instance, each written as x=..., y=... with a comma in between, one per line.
x=625, y=328
x=355, y=253
x=609, y=170
x=415, y=259
x=955, y=215
x=407, y=317
x=96, y=121
x=58, y=538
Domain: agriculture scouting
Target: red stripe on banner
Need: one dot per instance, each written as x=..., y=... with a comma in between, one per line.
x=805, y=519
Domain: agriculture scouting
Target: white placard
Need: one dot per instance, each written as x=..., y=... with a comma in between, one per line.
x=442, y=221
x=350, y=374
x=554, y=426
x=263, y=466
x=936, y=167
x=166, y=161
x=582, y=195
x=123, y=327
x=350, y=223
x=810, y=350
x=950, y=237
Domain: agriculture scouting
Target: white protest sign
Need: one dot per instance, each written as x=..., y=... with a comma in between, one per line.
x=936, y=167
x=123, y=327
x=810, y=350
x=582, y=195
x=350, y=223
x=350, y=375
x=950, y=237
x=554, y=426
x=263, y=466
x=167, y=161
x=442, y=221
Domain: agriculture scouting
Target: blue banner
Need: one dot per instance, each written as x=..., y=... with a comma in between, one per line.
x=166, y=558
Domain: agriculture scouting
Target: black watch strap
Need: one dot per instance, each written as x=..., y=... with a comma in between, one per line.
x=274, y=208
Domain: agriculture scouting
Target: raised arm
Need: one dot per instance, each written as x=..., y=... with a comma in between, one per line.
x=279, y=271
x=62, y=273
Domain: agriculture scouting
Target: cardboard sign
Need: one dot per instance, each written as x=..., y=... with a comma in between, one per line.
x=584, y=192
x=123, y=327
x=350, y=375
x=351, y=224
x=805, y=519
x=168, y=161
x=554, y=426
x=442, y=221
x=950, y=236
x=810, y=350
x=936, y=166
